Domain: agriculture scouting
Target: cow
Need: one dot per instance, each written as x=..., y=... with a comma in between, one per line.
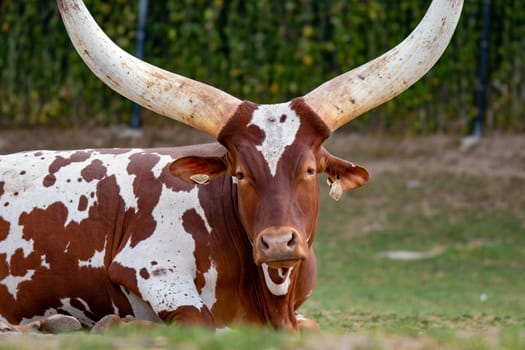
x=212, y=235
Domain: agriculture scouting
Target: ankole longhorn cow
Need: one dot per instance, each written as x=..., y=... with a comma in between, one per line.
x=216, y=234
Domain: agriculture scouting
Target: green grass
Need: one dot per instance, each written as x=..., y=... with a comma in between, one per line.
x=472, y=285
x=467, y=266
x=469, y=295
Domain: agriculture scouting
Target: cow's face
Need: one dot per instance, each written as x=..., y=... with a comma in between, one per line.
x=274, y=153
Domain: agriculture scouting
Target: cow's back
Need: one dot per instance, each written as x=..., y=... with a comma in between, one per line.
x=63, y=217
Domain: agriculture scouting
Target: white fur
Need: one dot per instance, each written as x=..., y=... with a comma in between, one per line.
x=96, y=261
x=278, y=135
x=12, y=282
x=274, y=288
x=66, y=306
x=208, y=291
x=29, y=188
x=23, y=174
x=171, y=280
x=169, y=245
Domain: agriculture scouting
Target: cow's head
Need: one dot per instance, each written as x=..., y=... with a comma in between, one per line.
x=274, y=152
x=274, y=155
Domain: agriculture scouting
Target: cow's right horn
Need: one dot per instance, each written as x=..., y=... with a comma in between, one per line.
x=351, y=94
x=191, y=102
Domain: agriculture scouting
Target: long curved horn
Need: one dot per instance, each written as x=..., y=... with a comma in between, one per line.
x=196, y=104
x=351, y=94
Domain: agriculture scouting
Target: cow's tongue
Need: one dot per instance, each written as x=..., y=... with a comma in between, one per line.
x=278, y=275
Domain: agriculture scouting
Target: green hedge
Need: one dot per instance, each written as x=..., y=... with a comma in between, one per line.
x=266, y=51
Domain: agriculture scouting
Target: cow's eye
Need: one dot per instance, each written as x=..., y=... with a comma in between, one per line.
x=239, y=175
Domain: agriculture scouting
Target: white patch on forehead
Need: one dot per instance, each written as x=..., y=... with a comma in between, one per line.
x=168, y=256
x=274, y=288
x=280, y=124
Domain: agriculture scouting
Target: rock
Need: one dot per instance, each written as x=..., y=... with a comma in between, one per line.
x=107, y=322
x=60, y=324
x=112, y=321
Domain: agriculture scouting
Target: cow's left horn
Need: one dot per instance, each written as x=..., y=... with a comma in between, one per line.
x=196, y=104
x=353, y=93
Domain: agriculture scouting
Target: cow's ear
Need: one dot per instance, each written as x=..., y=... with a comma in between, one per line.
x=198, y=170
x=343, y=175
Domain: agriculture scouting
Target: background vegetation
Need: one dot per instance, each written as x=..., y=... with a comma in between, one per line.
x=266, y=51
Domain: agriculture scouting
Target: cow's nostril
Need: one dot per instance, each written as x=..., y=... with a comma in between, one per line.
x=264, y=244
x=292, y=242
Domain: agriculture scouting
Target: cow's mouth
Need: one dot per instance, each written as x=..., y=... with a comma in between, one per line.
x=277, y=279
x=282, y=264
x=278, y=275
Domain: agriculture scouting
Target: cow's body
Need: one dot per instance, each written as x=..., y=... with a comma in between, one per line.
x=96, y=232
x=213, y=234
x=107, y=225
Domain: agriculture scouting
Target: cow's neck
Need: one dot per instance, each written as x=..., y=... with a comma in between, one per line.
x=276, y=310
x=242, y=294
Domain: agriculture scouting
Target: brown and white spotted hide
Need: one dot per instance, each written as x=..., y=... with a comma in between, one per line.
x=89, y=233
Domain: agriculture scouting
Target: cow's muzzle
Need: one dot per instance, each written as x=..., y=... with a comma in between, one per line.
x=279, y=247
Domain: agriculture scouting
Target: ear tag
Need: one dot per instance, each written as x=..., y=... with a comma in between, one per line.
x=200, y=179
x=336, y=191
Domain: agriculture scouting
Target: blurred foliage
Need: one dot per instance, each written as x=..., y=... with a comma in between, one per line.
x=266, y=51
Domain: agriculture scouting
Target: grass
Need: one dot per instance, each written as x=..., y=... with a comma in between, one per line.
x=469, y=293
x=471, y=272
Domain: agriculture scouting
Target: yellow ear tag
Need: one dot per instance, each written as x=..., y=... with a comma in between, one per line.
x=336, y=191
x=200, y=179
